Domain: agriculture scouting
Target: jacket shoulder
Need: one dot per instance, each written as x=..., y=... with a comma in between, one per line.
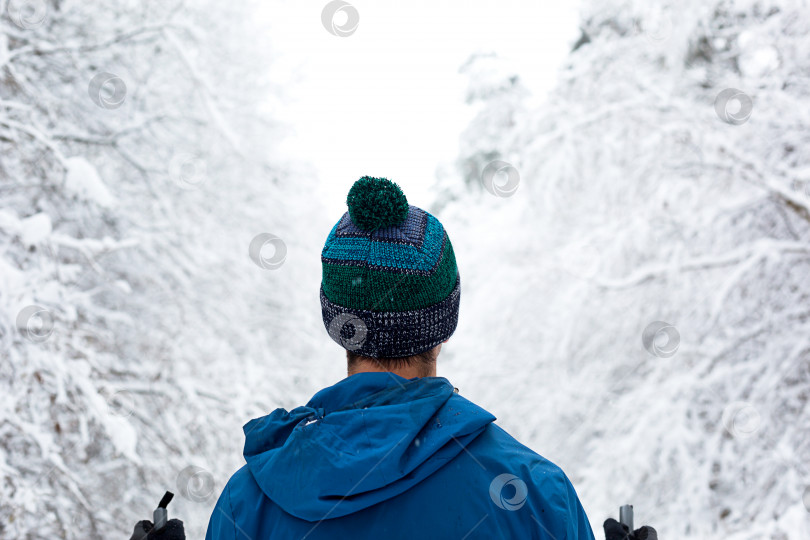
x=524, y=483
x=240, y=490
x=503, y=448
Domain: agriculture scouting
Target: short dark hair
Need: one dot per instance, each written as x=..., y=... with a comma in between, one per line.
x=423, y=362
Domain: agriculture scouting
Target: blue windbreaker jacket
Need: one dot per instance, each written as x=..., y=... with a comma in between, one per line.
x=383, y=457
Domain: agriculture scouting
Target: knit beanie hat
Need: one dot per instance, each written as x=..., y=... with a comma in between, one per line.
x=390, y=284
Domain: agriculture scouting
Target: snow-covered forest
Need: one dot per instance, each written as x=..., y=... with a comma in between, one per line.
x=135, y=174
x=644, y=198
x=634, y=246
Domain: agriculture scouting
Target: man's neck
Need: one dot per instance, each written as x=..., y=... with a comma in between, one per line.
x=408, y=372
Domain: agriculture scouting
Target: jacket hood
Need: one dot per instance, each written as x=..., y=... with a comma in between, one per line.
x=361, y=441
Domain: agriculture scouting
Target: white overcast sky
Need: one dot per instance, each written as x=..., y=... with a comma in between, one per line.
x=388, y=99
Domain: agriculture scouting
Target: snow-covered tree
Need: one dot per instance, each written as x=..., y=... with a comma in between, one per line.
x=144, y=314
x=643, y=294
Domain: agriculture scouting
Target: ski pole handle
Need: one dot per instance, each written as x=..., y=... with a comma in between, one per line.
x=161, y=516
x=626, y=516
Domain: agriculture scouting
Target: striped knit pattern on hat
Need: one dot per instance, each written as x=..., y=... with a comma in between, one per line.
x=392, y=291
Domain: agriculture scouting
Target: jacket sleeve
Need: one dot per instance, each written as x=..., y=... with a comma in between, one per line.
x=222, y=525
x=562, y=516
x=579, y=527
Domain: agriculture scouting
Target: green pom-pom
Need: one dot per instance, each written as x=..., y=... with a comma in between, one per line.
x=376, y=203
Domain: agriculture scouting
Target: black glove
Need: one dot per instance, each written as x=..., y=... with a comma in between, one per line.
x=616, y=531
x=144, y=530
